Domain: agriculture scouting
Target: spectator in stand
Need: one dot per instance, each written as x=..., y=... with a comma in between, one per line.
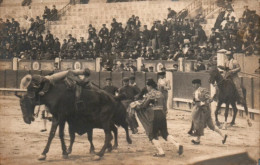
x=199, y=65
x=114, y=27
x=104, y=32
x=56, y=45
x=49, y=37
x=109, y=87
x=137, y=22
x=40, y=25
x=171, y=13
x=246, y=14
x=54, y=14
x=47, y=13
x=91, y=32
x=71, y=39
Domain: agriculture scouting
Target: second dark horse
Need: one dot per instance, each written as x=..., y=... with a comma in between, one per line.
x=228, y=95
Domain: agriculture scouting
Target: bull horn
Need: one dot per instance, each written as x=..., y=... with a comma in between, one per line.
x=16, y=94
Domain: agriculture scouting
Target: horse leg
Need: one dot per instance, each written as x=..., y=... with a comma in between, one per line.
x=115, y=131
x=216, y=113
x=226, y=116
x=125, y=126
x=72, y=139
x=234, y=107
x=246, y=109
x=54, y=125
x=90, y=139
x=63, y=145
x=108, y=138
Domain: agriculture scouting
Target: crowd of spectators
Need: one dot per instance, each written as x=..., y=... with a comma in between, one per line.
x=50, y=14
x=170, y=39
x=236, y=34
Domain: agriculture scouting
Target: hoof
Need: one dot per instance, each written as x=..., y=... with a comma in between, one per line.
x=66, y=156
x=232, y=123
x=109, y=149
x=195, y=142
x=249, y=123
x=92, y=151
x=69, y=151
x=218, y=123
x=115, y=147
x=180, y=151
x=129, y=141
x=224, y=140
x=96, y=158
x=42, y=157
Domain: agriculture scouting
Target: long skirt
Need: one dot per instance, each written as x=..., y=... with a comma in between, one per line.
x=154, y=123
x=201, y=118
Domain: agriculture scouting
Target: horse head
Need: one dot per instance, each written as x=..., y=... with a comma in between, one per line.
x=214, y=75
x=27, y=104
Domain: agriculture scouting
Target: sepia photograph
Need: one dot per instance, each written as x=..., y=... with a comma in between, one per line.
x=129, y=82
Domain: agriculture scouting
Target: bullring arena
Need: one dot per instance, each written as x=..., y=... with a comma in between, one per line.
x=131, y=38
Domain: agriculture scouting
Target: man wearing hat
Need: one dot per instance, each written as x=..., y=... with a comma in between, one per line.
x=71, y=39
x=231, y=68
x=153, y=118
x=164, y=85
x=199, y=65
x=201, y=113
x=104, y=32
x=127, y=94
x=54, y=13
x=246, y=13
x=49, y=37
x=47, y=13
x=56, y=45
x=171, y=13
x=109, y=87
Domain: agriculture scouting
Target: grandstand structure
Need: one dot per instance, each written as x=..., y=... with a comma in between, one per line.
x=75, y=20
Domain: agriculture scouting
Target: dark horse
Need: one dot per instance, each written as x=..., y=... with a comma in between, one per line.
x=228, y=95
x=99, y=113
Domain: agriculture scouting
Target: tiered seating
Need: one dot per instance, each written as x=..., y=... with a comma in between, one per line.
x=238, y=6
x=13, y=9
x=78, y=18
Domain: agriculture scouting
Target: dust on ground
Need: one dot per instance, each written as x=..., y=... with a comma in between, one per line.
x=21, y=143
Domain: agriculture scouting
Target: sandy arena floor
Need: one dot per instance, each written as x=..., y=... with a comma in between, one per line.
x=22, y=144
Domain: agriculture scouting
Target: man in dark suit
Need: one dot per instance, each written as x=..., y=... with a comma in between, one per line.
x=171, y=13
x=127, y=94
x=246, y=13
x=109, y=87
x=47, y=13
x=103, y=33
x=54, y=13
